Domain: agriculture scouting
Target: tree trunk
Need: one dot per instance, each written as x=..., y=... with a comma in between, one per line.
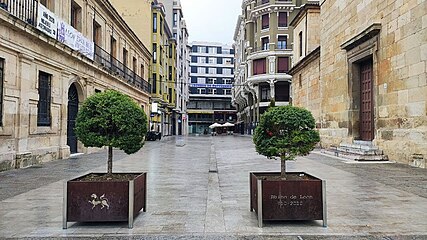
x=283, y=168
x=110, y=160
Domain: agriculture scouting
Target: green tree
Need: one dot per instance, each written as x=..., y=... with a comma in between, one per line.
x=285, y=132
x=111, y=119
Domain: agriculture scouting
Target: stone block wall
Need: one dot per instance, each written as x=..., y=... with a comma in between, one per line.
x=399, y=69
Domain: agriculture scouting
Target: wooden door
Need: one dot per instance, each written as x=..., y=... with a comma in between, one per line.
x=366, y=102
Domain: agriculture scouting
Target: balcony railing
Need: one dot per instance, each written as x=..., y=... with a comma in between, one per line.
x=26, y=10
x=115, y=67
x=263, y=2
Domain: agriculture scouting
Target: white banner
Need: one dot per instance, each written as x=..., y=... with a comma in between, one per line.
x=85, y=46
x=47, y=21
x=67, y=34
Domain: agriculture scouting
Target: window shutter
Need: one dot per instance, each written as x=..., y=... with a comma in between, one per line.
x=265, y=21
x=283, y=19
x=283, y=65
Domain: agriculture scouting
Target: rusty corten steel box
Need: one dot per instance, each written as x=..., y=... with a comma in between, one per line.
x=88, y=201
x=277, y=199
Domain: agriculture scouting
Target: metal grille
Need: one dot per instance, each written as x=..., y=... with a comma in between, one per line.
x=43, y=112
x=366, y=103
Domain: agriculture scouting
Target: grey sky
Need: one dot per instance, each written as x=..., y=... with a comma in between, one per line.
x=211, y=20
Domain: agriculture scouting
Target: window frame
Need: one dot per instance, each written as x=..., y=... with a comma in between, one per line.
x=2, y=64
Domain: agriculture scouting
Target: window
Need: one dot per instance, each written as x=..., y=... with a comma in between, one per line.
x=212, y=70
x=226, y=71
x=142, y=73
x=113, y=47
x=134, y=64
x=170, y=50
x=154, y=53
x=265, y=92
x=228, y=61
x=97, y=34
x=299, y=80
x=161, y=26
x=201, y=80
x=227, y=91
x=201, y=60
x=154, y=85
x=1, y=89
x=202, y=49
x=300, y=43
x=264, y=1
x=211, y=81
x=201, y=70
x=283, y=19
x=43, y=106
x=227, y=81
x=170, y=73
x=212, y=60
x=161, y=55
x=201, y=91
x=76, y=16
x=282, y=42
x=125, y=57
x=211, y=91
x=259, y=66
x=154, y=22
x=175, y=19
x=265, y=43
x=283, y=65
x=212, y=50
x=265, y=21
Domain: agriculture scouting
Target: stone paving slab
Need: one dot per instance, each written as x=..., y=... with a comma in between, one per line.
x=201, y=191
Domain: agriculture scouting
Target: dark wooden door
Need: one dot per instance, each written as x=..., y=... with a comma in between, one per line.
x=366, y=102
x=73, y=107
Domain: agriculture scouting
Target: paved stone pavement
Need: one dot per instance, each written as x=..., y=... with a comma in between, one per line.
x=201, y=191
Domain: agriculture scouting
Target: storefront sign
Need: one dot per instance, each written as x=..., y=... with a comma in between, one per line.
x=47, y=21
x=198, y=85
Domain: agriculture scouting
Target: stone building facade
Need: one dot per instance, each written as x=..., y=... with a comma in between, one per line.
x=53, y=55
x=263, y=42
x=373, y=61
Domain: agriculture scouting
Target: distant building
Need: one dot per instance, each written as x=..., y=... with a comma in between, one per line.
x=212, y=67
x=53, y=55
x=263, y=43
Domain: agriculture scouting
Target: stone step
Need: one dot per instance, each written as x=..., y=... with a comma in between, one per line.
x=358, y=146
x=359, y=151
x=354, y=157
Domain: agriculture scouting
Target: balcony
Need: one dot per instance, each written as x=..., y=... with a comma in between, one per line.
x=26, y=10
x=115, y=67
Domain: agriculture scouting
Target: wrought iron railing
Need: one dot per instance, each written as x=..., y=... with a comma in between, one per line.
x=262, y=2
x=115, y=67
x=26, y=10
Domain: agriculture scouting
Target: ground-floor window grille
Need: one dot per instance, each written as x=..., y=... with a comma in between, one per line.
x=43, y=106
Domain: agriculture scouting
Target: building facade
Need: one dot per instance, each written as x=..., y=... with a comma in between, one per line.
x=178, y=26
x=163, y=73
x=163, y=22
x=53, y=55
x=263, y=42
x=211, y=74
x=372, y=77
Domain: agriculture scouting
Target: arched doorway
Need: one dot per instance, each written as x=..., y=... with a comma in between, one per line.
x=73, y=107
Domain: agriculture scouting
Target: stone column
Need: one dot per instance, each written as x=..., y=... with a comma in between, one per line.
x=249, y=68
x=26, y=80
x=272, y=82
x=271, y=64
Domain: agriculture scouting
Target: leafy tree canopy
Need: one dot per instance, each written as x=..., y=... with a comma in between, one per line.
x=286, y=132
x=111, y=119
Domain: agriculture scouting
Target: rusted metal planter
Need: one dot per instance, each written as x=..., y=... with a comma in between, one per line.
x=282, y=200
x=104, y=201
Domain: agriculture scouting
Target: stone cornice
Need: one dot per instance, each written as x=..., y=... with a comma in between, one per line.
x=370, y=32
